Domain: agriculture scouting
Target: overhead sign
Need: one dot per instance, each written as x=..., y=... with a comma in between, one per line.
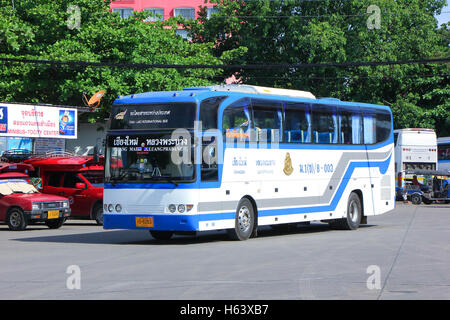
x=34, y=121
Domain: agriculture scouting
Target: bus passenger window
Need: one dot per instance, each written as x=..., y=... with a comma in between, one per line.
x=297, y=124
x=369, y=128
x=267, y=121
x=350, y=127
x=324, y=125
x=383, y=126
x=235, y=123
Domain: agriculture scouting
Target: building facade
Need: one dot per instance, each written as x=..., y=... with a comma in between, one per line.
x=164, y=8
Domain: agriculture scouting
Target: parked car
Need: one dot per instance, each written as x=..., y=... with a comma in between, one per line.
x=21, y=204
x=78, y=178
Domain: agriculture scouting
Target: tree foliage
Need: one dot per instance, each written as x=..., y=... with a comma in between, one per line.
x=302, y=32
x=48, y=30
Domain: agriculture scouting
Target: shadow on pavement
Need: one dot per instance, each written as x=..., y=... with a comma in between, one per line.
x=143, y=237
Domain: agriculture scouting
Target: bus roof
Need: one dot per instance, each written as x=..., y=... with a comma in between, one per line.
x=196, y=94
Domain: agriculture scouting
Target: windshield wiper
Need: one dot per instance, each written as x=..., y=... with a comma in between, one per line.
x=173, y=182
x=122, y=175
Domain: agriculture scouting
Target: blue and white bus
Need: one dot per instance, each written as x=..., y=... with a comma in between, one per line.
x=443, y=145
x=236, y=157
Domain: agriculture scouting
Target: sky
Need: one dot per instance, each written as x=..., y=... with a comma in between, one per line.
x=444, y=17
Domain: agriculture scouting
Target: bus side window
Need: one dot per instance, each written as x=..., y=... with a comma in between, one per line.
x=377, y=126
x=236, y=122
x=369, y=128
x=383, y=126
x=350, y=127
x=267, y=120
x=297, y=123
x=324, y=120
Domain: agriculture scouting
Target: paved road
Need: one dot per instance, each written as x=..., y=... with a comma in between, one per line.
x=409, y=249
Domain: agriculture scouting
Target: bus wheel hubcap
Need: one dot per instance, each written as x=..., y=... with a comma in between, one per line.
x=244, y=219
x=354, y=211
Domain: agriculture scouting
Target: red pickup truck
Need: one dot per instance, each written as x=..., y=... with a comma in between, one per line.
x=21, y=204
x=78, y=178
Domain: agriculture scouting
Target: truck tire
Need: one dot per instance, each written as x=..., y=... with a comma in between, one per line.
x=98, y=214
x=16, y=220
x=55, y=223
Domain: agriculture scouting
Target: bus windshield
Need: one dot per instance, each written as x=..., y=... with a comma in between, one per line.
x=156, y=157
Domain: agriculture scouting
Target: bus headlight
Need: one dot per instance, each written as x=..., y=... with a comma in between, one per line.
x=110, y=207
x=118, y=207
x=172, y=208
x=181, y=208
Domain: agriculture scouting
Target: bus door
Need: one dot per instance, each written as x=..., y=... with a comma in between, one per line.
x=211, y=150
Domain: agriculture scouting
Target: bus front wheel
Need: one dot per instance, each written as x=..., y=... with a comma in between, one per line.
x=244, y=221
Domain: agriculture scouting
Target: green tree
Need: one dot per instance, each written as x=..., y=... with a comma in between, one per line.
x=302, y=32
x=47, y=30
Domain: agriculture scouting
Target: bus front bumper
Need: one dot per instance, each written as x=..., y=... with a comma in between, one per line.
x=170, y=222
x=151, y=222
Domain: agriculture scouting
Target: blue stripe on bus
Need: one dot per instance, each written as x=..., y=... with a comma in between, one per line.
x=191, y=222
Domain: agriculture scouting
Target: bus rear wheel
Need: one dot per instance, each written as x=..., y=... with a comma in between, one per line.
x=244, y=221
x=161, y=235
x=354, y=215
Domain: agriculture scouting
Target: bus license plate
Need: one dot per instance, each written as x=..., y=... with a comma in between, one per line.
x=144, y=222
x=53, y=214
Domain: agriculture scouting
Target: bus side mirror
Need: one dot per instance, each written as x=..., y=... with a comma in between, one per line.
x=80, y=185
